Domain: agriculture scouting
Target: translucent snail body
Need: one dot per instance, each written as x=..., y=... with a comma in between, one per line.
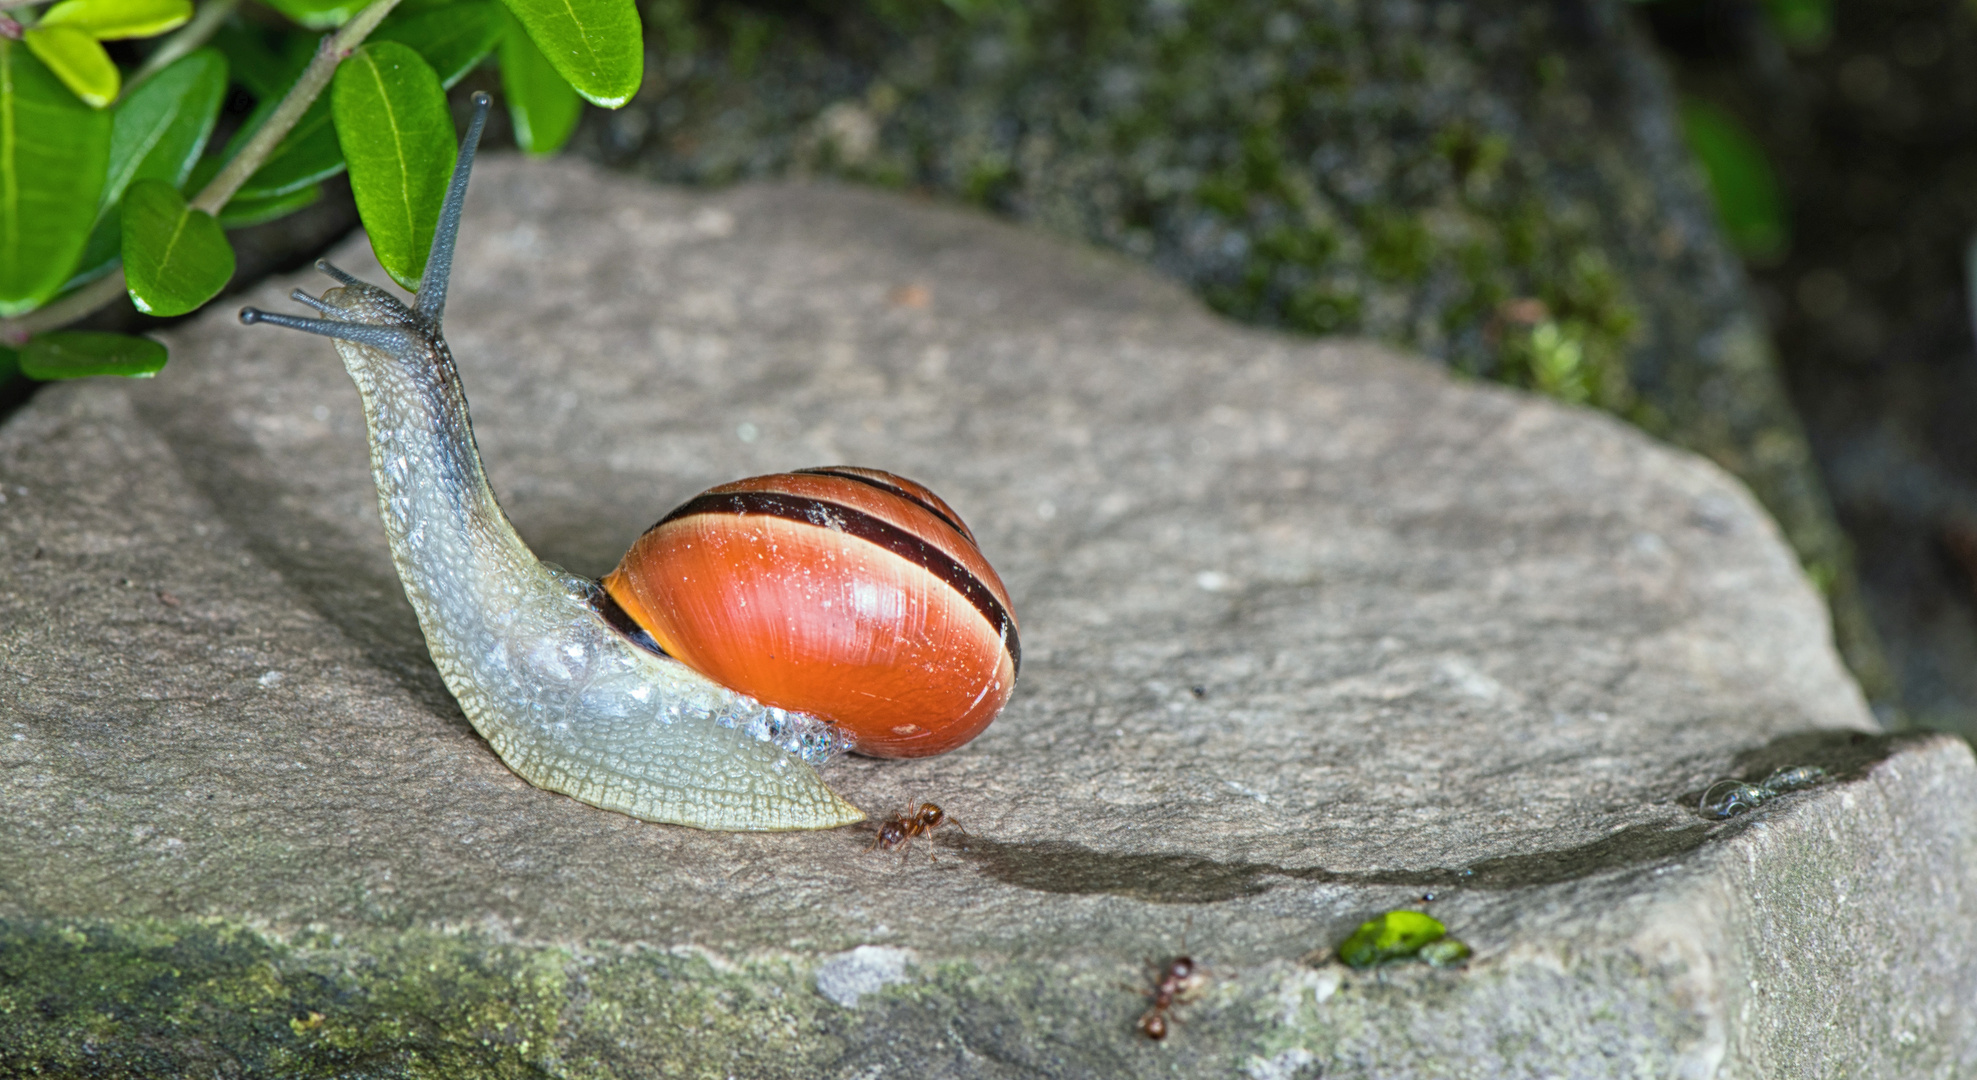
x=545, y=665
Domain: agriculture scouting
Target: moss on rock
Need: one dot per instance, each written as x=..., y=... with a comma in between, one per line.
x=156, y=998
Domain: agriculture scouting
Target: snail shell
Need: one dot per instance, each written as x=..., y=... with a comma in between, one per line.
x=848, y=594
x=550, y=670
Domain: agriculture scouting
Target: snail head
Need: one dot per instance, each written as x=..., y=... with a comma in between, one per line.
x=368, y=315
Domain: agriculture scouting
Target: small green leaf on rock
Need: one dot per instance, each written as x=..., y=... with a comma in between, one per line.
x=397, y=137
x=107, y=20
x=1447, y=952
x=452, y=39
x=51, y=170
x=175, y=258
x=542, y=106
x=10, y=364
x=597, y=45
x=240, y=213
x=1748, y=199
x=75, y=354
x=160, y=129
x=78, y=61
x=1397, y=935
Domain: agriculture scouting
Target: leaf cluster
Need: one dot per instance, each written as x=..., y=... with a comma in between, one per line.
x=112, y=180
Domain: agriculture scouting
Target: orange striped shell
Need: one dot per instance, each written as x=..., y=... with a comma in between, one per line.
x=850, y=594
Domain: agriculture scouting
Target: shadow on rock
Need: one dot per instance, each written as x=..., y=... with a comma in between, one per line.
x=1061, y=867
x=1845, y=755
x=1056, y=866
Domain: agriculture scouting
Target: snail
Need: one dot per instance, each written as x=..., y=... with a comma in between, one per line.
x=759, y=630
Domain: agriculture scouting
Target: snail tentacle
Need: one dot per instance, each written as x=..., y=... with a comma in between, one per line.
x=568, y=702
x=430, y=301
x=337, y=272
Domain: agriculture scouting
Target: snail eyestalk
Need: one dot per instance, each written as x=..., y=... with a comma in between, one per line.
x=568, y=702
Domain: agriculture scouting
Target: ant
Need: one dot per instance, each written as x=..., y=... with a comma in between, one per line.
x=1176, y=984
x=899, y=830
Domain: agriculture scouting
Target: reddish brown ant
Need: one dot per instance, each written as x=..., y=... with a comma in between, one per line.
x=1175, y=984
x=897, y=832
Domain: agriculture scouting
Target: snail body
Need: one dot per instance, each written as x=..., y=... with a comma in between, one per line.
x=576, y=697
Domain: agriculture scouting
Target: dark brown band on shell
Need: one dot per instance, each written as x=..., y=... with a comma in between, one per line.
x=606, y=606
x=853, y=522
x=895, y=489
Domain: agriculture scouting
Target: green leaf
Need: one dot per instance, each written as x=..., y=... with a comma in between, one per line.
x=52, y=159
x=159, y=131
x=78, y=60
x=543, y=107
x=175, y=258
x=319, y=14
x=1397, y=935
x=1748, y=200
x=10, y=364
x=397, y=135
x=103, y=251
x=1447, y=952
x=240, y=213
x=307, y=155
x=595, y=44
x=106, y=20
x=452, y=39
x=74, y=354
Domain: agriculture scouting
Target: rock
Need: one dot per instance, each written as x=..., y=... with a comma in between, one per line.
x=866, y=969
x=1311, y=630
x=1498, y=184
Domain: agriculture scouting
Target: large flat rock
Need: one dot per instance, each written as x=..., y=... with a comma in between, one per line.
x=1311, y=630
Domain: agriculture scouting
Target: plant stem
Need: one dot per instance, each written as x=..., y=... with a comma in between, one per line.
x=214, y=196
x=205, y=23
x=300, y=96
x=68, y=309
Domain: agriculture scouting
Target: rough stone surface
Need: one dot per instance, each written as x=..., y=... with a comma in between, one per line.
x=1415, y=171
x=1310, y=630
